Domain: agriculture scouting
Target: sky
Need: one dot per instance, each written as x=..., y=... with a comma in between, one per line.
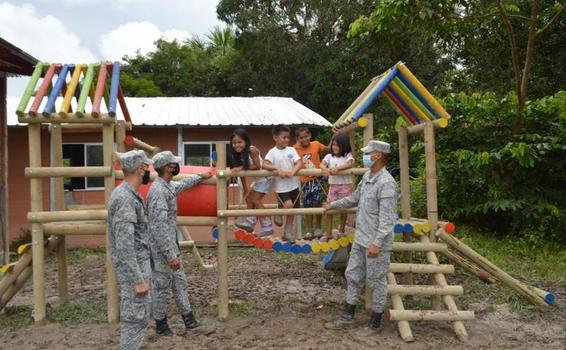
x=85, y=31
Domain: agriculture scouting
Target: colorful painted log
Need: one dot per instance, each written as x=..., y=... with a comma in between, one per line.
x=71, y=90
x=85, y=91
x=99, y=91
x=115, y=69
x=50, y=105
x=37, y=72
x=43, y=88
x=402, y=107
x=428, y=114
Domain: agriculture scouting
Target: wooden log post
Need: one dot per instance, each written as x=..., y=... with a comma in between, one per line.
x=471, y=267
x=501, y=275
x=222, y=204
x=59, y=204
x=397, y=302
x=405, y=194
x=367, y=137
x=4, y=236
x=429, y=315
x=36, y=204
x=188, y=238
x=120, y=130
x=109, y=183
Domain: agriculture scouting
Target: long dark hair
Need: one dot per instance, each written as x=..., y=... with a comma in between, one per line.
x=242, y=159
x=343, y=142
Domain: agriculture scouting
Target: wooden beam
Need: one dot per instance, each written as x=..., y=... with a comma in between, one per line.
x=405, y=194
x=271, y=212
x=302, y=172
x=425, y=290
x=55, y=216
x=64, y=171
x=420, y=268
x=397, y=303
x=4, y=235
x=76, y=228
x=429, y=315
x=222, y=204
x=70, y=119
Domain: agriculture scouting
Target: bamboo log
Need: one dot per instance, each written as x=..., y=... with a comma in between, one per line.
x=13, y=274
x=448, y=300
x=56, y=216
x=222, y=203
x=196, y=220
x=302, y=172
x=186, y=244
x=420, y=268
x=87, y=128
x=471, y=267
x=397, y=303
x=429, y=315
x=109, y=184
x=54, y=118
x=425, y=290
x=419, y=128
x=78, y=228
x=85, y=206
x=59, y=204
x=120, y=130
x=64, y=171
x=290, y=211
x=36, y=201
x=139, y=144
x=405, y=194
x=501, y=275
x=419, y=247
x=244, y=206
x=187, y=235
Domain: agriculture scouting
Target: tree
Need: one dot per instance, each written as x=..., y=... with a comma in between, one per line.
x=456, y=25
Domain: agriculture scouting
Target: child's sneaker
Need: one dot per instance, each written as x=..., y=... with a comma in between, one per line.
x=248, y=224
x=266, y=227
x=309, y=236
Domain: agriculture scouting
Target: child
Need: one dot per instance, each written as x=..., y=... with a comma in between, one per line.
x=286, y=162
x=340, y=187
x=311, y=186
x=243, y=155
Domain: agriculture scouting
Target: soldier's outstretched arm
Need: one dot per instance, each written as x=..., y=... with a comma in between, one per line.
x=185, y=184
x=162, y=237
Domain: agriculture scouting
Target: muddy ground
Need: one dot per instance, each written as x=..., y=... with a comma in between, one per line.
x=278, y=301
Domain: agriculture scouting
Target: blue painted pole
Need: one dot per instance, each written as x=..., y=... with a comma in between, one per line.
x=114, y=89
x=50, y=106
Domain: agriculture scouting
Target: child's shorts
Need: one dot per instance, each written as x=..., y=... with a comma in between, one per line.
x=263, y=185
x=289, y=196
x=312, y=193
x=336, y=192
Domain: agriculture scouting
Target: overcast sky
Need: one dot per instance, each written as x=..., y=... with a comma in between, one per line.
x=85, y=31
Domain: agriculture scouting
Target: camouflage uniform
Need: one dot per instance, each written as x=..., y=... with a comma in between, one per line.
x=128, y=241
x=376, y=198
x=162, y=204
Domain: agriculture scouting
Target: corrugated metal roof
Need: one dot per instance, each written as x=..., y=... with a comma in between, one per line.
x=211, y=111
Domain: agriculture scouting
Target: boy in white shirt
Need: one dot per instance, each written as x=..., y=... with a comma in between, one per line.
x=286, y=162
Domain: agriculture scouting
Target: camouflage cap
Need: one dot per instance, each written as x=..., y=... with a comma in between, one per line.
x=161, y=159
x=134, y=159
x=377, y=146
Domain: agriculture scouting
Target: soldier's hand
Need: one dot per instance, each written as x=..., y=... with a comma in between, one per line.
x=141, y=288
x=373, y=251
x=175, y=264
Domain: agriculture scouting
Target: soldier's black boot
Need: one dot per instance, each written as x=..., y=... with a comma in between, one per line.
x=190, y=321
x=162, y=328
x=345, y=321
x=374, y=325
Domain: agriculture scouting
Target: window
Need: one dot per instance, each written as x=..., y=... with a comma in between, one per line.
x=199, y=153
x=83, y=154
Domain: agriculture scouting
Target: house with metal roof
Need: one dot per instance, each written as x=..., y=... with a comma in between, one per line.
x=188, y=126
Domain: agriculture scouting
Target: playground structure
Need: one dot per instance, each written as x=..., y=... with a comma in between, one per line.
x=407, y=94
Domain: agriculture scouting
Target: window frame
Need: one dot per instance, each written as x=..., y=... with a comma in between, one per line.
x=209, y=143
x=85, y=144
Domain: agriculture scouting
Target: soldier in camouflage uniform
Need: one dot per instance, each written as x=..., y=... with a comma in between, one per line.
x=376, y=198
x=128, y=241
x=168, y=273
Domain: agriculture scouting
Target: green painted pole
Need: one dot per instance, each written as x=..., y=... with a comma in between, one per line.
x=37, y=72
x=414, y=98
x=89, y=77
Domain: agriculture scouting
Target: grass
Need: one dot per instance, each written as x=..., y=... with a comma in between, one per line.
x=19, y=316
x=81, y=254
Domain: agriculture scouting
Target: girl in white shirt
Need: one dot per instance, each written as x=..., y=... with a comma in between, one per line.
x=340, y=186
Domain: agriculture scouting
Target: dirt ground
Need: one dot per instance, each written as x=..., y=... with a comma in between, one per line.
x=279, y=301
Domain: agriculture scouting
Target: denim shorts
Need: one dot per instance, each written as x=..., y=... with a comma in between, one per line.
x=263, y=185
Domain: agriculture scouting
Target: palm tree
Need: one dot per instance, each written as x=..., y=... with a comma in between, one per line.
x=221, y=39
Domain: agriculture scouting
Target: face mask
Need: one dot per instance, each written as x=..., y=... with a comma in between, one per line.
x=367, y=161
x=145, y=178
x=177, y=170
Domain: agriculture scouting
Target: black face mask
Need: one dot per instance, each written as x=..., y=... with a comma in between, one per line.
x=145, y=178
x=177, y=170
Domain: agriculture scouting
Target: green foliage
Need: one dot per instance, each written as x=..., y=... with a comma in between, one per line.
x=90, y=311
x=24, y=238
x=508, y=184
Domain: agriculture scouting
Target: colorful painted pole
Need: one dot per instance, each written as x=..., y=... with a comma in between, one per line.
x=39, y=68
x=401, y=107
x=45, y=84
x=114, y=89
x=100, y=86
x=416, y=92
x=50, y=106
x=87, y=86
x=424, y=92
x=407, y=100
x=66, y=105
x=358, y=99
x=414, y=98
x=123, y=105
